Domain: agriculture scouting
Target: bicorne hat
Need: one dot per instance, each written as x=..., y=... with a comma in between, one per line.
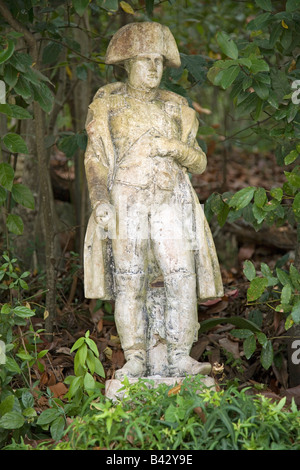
x=136, y=39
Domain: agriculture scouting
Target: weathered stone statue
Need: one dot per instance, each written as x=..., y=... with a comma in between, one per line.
x=148, y=244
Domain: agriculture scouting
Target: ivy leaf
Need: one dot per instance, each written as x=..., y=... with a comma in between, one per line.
x=227, y=45
x=256, y=289
x=14, y=143
x=242, y=198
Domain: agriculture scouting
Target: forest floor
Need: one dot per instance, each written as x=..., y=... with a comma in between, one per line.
x=76, y=315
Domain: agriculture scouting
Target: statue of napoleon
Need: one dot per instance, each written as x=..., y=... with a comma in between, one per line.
x=147, y=222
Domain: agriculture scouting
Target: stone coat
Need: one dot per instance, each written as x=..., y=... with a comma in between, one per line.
x=101, y=169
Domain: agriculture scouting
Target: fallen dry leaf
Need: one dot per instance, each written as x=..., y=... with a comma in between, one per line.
x=58, y=390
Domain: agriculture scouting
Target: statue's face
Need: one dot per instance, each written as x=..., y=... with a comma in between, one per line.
x=145, y=71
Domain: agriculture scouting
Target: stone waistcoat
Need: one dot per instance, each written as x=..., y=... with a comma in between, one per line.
x=130, y=120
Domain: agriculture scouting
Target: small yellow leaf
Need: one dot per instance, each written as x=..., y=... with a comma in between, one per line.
x=127, y=8
x=283, y=23
x=46, y=314
x=108, y=352
x=69, y=72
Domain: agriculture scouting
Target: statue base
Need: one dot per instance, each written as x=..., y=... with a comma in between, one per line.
x=113, y=387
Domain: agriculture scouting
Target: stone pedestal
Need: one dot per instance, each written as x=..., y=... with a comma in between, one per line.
x=112, y=387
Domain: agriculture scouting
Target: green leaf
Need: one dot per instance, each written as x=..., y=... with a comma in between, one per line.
x=57, y=428
x=295, y=277
x=259, y=65
x=259, y=22
x=14, y=224
x=286, y=294
x=99, y=369
x=7, y=175
x=264, y=4
x=23, y=312
x=51, y=52
x=247, y=105
x=241, y=333
x=43, y=96
x=77, y=344
x=88, y=382
x=291, y=157
x=12, y=365
x=7, y=50
x=14, y=143
x=12, y=420
x=10, y=75
x=276, y=193
x=92, y=345
x=47, y=416
x=239, y=322
x=12, y=110
x=292, y=5
x=82, y=353
x=260, y=197
x=242, y=198
x=68, y=145
x=22, y=195
x=262, y=339
x=22, y=87
x=21, y=61
x=110, y=5
x=258, y=213
x=249, y=346
x=249, y=270
x=7, y=404
x=80, y=6
x=296, y=313
x=262, y=90
x=257, y=288
x=229, y=75
x=227, y=45
x=149, y=7
x=196, y=65
x=267, y=355
x=283, y=276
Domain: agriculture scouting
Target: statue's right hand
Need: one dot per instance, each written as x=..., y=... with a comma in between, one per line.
x=104, y=214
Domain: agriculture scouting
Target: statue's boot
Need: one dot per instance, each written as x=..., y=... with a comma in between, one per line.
x=131, y=323
x=182, y=325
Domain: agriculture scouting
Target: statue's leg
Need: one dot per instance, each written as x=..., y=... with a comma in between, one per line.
x=182, y=324
x=129, y=252
x=131, y=323
x=177, y=263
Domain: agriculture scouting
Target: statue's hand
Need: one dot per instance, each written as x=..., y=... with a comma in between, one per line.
x=104, y=214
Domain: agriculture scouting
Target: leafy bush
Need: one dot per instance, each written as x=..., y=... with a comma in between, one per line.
x=162, y=419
